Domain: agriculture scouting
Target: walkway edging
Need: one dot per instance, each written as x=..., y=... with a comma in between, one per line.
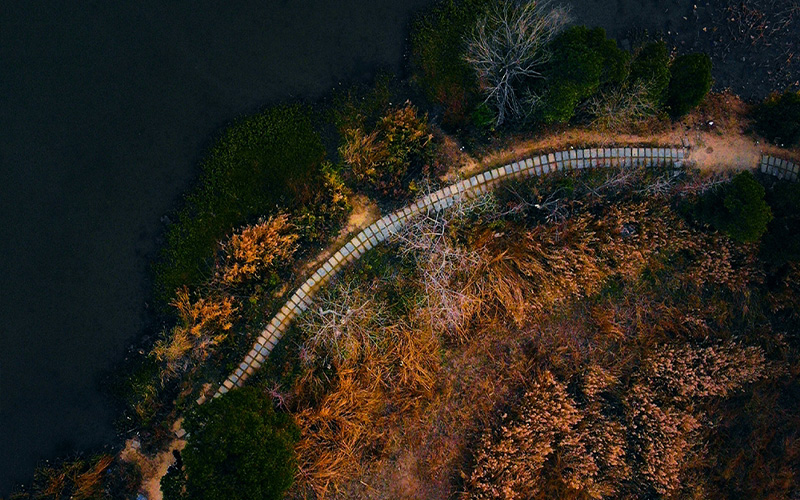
x=778, y=167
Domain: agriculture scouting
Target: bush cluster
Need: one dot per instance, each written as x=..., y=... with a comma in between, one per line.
x=778, y=118
x=584, y=61
x=459, y=58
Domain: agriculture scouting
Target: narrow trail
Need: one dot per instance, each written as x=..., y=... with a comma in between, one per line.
x=385, y=227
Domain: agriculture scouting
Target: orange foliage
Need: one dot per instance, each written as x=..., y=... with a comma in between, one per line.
x=204, y=323
x=257, y=249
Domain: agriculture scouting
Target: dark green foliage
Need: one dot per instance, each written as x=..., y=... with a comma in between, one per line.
x=651, y=66
x=483, y=117
x=560, y=101
x=690, y=81
x=781, y=244
x=260, y=162
x=737, y=208
x=238, y=448
x=437, y=50
x=583, y=61
x=778, y=118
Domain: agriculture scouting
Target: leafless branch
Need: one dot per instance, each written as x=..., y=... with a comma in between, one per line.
x=445, y=268
x=510, y=44
x=622, y=107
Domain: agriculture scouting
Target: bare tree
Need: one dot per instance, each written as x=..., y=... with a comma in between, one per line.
x=342, y=322
x=508, y=45
x=444, y=266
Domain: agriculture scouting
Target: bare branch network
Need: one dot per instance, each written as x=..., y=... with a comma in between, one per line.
x=508, y=45
x=445, y=267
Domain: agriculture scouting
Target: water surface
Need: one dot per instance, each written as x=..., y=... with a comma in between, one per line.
x=105, y=108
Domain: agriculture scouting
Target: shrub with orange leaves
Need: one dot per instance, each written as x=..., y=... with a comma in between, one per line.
x=398, y=150
x=689, y=372
x=553, y=447
x=662, y=438
x=255, y=251
x=509, y=465
x=204, y=323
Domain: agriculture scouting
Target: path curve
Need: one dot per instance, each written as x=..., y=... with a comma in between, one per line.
x=383, y=228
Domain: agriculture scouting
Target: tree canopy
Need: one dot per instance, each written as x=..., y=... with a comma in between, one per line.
x=239, y=447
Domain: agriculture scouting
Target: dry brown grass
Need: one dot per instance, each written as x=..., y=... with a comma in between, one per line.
x=77, y=479
x=395, y=407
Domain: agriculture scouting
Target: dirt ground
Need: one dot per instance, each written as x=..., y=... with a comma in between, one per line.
x=716, y=134
x=754, y=44
x=153, y=468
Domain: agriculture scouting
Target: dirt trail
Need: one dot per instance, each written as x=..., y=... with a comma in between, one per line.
x=716, y=134
x=152, y=468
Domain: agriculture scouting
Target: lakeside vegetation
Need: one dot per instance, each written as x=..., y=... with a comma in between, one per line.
x=554, y=331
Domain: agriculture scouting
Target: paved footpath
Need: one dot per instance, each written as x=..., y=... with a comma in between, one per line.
x=380, y=230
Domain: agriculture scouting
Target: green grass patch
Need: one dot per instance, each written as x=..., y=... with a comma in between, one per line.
x=261, y=162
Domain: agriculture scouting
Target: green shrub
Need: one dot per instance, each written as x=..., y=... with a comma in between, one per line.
x=483, y=117
x=437, y=50
x=737, y=208
x=690, y=81
x=238, y=448
x=778, y=118
x=261, y=162
x=651, y=67
x=781, y=244
x=583, y=61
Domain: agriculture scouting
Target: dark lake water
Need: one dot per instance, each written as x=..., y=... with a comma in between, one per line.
x=105, y=109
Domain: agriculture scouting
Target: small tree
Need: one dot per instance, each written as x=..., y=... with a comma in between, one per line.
x=738, y=208
x=239, y=448
x=690, y=81
x=778, y=118
x=509, y=46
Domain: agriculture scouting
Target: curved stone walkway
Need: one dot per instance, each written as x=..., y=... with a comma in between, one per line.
x=780, y=168
x=390, y=224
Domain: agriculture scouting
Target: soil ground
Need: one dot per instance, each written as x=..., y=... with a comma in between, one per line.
x=753, y=43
